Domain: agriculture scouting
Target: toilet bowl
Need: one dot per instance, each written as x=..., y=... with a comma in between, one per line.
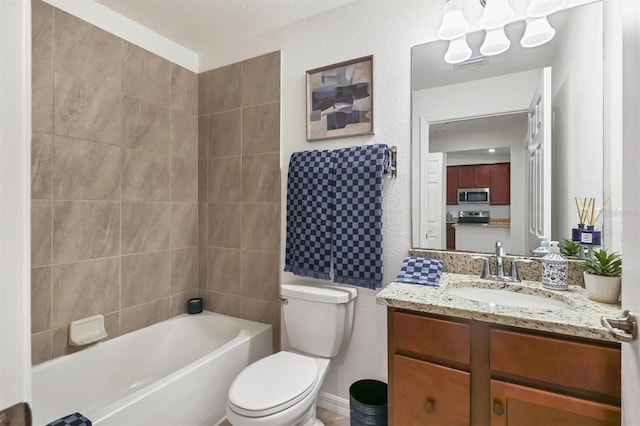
x=282, y=389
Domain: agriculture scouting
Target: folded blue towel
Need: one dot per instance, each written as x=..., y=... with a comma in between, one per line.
x=420, y=270
x=310, y=203
x=75, y=419
x=357, y=239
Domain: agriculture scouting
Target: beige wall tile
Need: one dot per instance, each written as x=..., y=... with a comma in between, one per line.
x=41, y=211
x=224, y=88
x=178, y=303
x=224, y=134
x=141, y=316
x=83, y=289
x=87, y=111
x=203, y=136
x=225, y=223
x=226, y=304
x=145, y=277
x=184, y=269
x=85, y=170
x=41, y=166
x=203, y=224
x=184, y=135
x=40, y=299
x=202, y=181
x=261, y=79
x=40, y=347
x=145, y=75
x=85, y=230
x=184, y=180
x=184, y=90
x=145, y=176
x=184, y=225
x=86, y=51
x=203, y=267
x=265, y=312
x=41, y=35
x=261, y=275
x=203, y=93
x=261, y=178
x=42, y=100
x=145, y=227
x=224, y=183
x=261, y=129
x=145, y=125
x=261, y=227
x=224, y=271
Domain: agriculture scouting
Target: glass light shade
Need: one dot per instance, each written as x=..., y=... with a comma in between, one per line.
x=537, y=33
x=496, y=14
x=459, y=51
x=540, y=8
x=495, y=42
x=453, y=23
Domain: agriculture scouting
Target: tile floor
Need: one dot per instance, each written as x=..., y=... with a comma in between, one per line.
x=329, y=418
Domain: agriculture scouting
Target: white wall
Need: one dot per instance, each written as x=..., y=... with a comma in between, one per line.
x=15, y=199
x=577, y=131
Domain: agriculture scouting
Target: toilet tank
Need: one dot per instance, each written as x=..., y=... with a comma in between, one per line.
x=318, y=317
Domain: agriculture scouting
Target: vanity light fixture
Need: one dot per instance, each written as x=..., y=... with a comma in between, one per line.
x=540, y=8
x=495, y=42
x=537, y=33
x=454, y=25
x=459, y=51
x=496, y=14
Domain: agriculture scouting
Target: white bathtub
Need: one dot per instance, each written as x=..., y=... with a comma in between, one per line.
x=177, y=372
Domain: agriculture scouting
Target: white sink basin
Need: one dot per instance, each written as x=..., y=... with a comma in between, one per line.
x=496, y=297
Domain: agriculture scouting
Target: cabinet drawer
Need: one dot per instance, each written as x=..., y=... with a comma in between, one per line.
x=431, y=337
x=429, y=394
x=578, y=365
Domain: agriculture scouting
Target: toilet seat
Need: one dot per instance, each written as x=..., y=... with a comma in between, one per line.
x=273, y=384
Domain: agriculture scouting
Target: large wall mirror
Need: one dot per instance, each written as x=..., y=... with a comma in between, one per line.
x=503, y=145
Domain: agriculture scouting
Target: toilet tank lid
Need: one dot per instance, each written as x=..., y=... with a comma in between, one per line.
x=319, y=292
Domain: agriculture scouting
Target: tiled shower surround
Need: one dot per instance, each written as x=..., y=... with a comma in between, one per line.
x=115, y=187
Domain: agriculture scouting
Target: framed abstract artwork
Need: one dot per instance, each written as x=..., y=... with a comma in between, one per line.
x=340, y=100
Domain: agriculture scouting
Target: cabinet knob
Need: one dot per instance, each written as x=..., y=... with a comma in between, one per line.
x=429, y=405
x=498, y=409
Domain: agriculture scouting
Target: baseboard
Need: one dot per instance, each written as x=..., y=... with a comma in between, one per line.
x=334, y=403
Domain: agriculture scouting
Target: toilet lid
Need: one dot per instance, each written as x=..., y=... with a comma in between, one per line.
x=272, y=384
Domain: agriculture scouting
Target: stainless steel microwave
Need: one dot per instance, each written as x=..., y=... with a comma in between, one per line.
x=473, y=196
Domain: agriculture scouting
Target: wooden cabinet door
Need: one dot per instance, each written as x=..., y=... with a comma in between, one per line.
x=452, y=185
x=482, y=176
x=500, y=184
x=451, y=236
x=466, y=176
x=523, y=406
x=429, y=394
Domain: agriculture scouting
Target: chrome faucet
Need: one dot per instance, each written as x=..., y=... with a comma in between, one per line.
x=500, y=275
x=500, y=260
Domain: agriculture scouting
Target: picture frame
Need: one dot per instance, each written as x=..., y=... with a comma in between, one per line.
x=340, y=100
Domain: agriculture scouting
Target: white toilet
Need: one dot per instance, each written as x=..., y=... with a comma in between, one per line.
x=282, y=388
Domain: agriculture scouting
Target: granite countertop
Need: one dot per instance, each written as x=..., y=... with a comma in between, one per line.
x=581, y=319
x=484, y=225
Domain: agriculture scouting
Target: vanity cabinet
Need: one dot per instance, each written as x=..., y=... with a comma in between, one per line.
x=454, y=371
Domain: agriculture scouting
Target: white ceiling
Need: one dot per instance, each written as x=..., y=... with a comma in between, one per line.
x=208, y=25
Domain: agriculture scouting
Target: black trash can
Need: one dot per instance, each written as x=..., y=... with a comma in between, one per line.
x=368, y=403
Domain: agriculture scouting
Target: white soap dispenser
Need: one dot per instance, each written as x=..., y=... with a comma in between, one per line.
x=543, y=248
x=554, y=269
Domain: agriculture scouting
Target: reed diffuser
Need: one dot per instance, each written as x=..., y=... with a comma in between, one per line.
x=588, y=216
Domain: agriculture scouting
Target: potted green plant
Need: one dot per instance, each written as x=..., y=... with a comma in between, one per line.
x=602, y=276
x=569, y=248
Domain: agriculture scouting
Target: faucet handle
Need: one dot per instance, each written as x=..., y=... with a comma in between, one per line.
x=515, y=277
x=485, y=266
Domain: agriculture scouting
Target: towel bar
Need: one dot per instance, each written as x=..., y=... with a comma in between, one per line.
x=392, y=168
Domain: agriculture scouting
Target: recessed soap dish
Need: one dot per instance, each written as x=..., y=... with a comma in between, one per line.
x=87, y=330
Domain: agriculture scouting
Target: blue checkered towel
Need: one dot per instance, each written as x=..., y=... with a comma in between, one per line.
x=75, y=419
x=357, y=238
x=310, y=204
x=420, y=270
